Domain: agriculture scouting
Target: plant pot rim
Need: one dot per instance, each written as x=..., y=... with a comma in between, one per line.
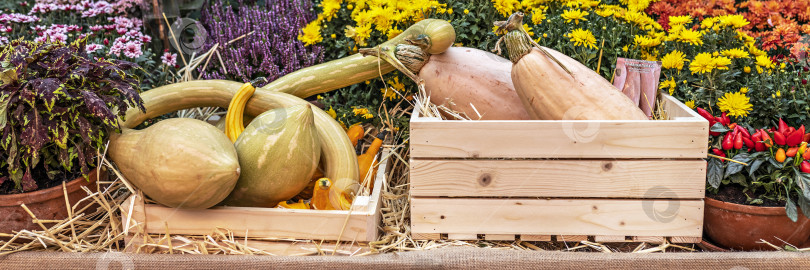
x=48, y=193
x=751, y=209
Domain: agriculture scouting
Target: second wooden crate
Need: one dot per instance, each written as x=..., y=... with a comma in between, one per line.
x=537, y=180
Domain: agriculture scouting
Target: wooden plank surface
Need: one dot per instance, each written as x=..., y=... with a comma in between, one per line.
x=557, y=216
x=685, y=137
x=499, y=237
x=684, y=179
x=282, y=248
x=532, y=237
x=572, y=238
x=682, y=239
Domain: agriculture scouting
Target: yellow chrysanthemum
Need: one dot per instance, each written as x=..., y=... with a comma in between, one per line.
x=528, y=29
x=331, y=112
x=360, y=111
x=703, y=62
x=765, y=62
x=747, y=69
x=604, y=12
x=674, y=59
x=735, y=53
x=538, y=15
x=690, y=104
x=393, y=32
x=756, y=51
x=583, y=38
x=679, y=20
x=744, y=90
x=311, y=34
x=670, y=83
x=708, y=22
x=691, y=37
x=722, y=62
x=636, y=17
x=368, y=116
x=330, y=8
x=575, y=15
x=736, y=21
x=362, y=33
x=506, y=7
x=645, y=41
x=466, y=11
x=735, y=104
x=396, y=84
x=388, y=93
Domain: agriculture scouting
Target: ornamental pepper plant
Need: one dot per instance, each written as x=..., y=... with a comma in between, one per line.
x=769, y=165
x=58, y=105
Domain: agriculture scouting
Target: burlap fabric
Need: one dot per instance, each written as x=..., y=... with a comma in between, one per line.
x=447, y=258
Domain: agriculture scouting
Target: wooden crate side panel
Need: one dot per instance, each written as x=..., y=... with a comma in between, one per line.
x=259, y=222
x=683, y=179
x=559, y=139
x=685, y=136
x=557, y=216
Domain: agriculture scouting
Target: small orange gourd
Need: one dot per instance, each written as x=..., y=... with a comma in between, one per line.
x=366, y=161
x=320, y=195
x=355, y=132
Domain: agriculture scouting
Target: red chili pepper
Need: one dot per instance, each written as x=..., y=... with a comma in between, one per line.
x=806, y=155
x=779, y=138
x=748, y=143
x=758, y=145
x=726, y=119
x=806, y=137
x=795, y=138
x=705, y=114
x=743, y=130
x=791, y=152
x=782, y=126
x=738, y=141
x=805, y=167
x=727, y=142
x=766, y=139
x=789, y=131
x=718, y=152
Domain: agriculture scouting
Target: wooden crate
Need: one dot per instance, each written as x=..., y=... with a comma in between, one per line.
x=360, y=222
x=616, y=181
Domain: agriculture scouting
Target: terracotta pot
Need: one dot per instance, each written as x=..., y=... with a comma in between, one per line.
x=740, y=227
x=46, y=204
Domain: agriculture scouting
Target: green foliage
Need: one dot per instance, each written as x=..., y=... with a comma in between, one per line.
x=57, y=106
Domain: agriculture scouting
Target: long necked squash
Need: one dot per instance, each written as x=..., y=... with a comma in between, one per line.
x=466, y=78
x=281, y=149
x=435, y=36
x=553, y=86
x=340, y=161
x=179, y=162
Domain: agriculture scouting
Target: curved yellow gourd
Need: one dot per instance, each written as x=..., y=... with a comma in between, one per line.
x=236, y=110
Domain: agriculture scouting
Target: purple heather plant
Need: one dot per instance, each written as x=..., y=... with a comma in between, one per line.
x=57, y=106
x=272, y=51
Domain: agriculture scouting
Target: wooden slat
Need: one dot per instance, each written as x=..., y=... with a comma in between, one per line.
x=684, y=179
x=609, y=239
x=649, y=239
x=285, y=248
x=532, y=237
x=685, y=239
x=572, y=238
x=499, y=237
x=557, y=216
x=685, y=137
x=426, y=236
x=462, y=236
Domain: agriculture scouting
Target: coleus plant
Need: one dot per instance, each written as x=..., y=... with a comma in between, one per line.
x=776, y=162
x=57, y=106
